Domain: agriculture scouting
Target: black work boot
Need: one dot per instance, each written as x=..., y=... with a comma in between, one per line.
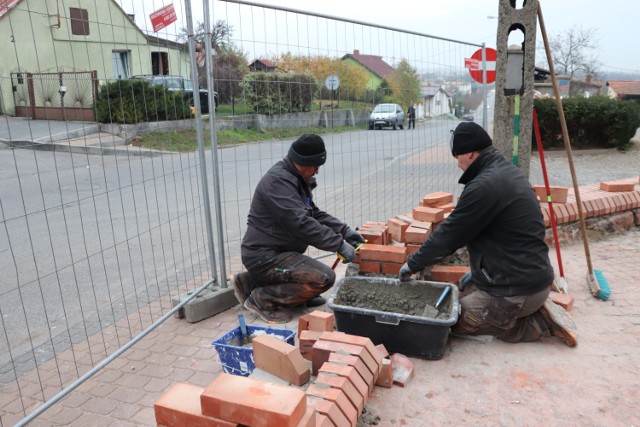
x=559, y=322
x=269, y=316
x=239, y=290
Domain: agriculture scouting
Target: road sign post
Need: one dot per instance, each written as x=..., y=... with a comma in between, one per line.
x=332, y=83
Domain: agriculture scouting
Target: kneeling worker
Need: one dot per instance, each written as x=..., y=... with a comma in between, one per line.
x=283, y=221
x=498, y=218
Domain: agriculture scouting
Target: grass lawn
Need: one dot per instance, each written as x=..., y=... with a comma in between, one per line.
x=184, y=140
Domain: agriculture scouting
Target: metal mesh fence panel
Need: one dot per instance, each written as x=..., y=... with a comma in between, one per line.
x=104, y=201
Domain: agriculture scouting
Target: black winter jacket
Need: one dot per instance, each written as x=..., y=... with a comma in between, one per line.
x=499, y=219
x=283, y=216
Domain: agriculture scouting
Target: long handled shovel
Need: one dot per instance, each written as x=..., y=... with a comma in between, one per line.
x=597, y=282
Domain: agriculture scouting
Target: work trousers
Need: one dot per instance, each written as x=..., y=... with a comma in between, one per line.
x=511, y=319
x=411, y=122
x=286, y=279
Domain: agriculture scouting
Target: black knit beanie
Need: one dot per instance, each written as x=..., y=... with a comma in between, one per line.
x=468, y=137
x=308, y=150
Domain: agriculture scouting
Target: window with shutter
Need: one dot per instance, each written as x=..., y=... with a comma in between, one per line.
x=79, y=21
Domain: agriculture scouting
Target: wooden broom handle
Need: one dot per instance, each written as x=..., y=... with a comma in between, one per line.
x=565, y=137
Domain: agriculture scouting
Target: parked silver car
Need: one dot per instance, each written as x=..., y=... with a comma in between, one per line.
x=386, y=115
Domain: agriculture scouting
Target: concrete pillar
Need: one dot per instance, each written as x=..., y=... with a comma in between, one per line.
x=513, y=16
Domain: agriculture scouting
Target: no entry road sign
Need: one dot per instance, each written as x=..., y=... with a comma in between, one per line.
x=476, y=72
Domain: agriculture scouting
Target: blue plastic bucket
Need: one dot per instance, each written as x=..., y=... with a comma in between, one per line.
x=238, y=360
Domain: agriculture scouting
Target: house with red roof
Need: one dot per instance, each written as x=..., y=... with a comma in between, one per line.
x=377, y=70
x=623, y=89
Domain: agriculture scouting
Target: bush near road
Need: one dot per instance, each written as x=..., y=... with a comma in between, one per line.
x=596, y=122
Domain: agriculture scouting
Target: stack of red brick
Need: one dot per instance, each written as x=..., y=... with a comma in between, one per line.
x=390, y=244
x=597, y=199
x=345, y=367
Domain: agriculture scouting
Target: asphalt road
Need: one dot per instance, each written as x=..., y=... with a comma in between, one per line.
x=88, y=239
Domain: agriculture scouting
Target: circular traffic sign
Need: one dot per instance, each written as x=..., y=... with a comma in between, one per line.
x=332, y=82
x=490, y=60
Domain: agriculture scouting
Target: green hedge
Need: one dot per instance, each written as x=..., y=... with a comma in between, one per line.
x=135, y=101
x=592, y=122
x=277, y=93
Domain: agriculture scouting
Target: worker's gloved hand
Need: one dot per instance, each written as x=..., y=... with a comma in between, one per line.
x=464, y=280
x=405, y=273
x=347, y=253
x=353, y=237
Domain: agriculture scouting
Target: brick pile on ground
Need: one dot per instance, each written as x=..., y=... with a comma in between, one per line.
x=346, y=368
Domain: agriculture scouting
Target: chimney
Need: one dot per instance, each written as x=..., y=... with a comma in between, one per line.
x=356, y=52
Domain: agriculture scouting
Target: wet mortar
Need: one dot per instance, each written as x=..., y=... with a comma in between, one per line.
x=415, y=298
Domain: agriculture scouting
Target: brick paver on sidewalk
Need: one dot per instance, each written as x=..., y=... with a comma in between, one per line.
x=477, y=382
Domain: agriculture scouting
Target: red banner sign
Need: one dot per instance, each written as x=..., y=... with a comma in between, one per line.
x=163, y=17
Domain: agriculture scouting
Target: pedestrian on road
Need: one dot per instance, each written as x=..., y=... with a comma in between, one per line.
x=283, y=221
x=498, y=218
x=411, y=113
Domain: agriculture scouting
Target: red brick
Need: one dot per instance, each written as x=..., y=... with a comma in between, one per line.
x=416, y=235
x=562, y=214
x=321, y=321
x=303, y=323
x=385, y=379
x=608, y=206
x=448, y=208
x=369, y=267
x=337, y=396
x=448, y=273
x=402, y=369
x=328, y=409
x=180, y=406
x=436, y=199
x=623, y=201
x=306, y=339
x=343, y=384
x=348, y=372
x=383, y=253
x=558, y=193
x=374, y=236
x=573, y=211
x=397, y=229
x=309, y=419
x=636, y=197
x=565, y=300
x=545, y=216
x=382, y=350
x=323, y=420
x=616, y=186
x=355, y=340
x=249, y=401
x=358, y=364
x=412, y=249
x=280, y=359
x=391, y=268
x=601, y=207
x=629, y=200
x=426, y=214
x=322, y=350
x=405, y=218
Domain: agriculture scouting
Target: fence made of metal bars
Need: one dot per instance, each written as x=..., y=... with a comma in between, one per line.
x=103, y=223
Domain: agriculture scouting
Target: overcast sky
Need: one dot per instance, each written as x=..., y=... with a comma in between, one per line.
x=615, y=21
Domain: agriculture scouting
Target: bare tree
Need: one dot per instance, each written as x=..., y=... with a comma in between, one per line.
x=572, y=51
x=220, y=33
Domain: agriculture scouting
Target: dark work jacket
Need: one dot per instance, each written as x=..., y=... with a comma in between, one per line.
x=499, y=219
x=283, y=216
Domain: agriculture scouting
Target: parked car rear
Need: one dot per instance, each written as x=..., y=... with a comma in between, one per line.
x=182, y=85
x=389, y=115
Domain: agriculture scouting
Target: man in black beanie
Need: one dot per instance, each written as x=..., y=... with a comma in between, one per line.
x=498, y=218
x=283, y=221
